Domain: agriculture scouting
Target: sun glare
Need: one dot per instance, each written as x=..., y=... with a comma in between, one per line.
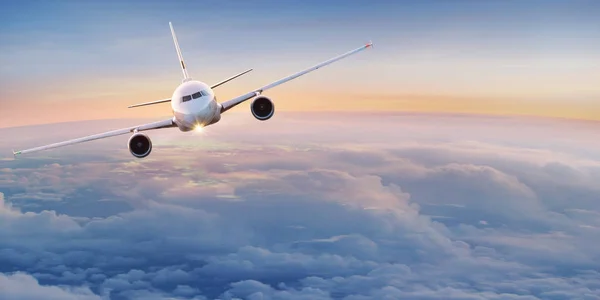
x=198, y=128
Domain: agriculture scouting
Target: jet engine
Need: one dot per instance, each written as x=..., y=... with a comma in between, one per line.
x=262, y=108
x=139, y=145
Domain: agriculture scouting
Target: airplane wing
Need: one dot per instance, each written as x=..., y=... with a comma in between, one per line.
x=150, y=126
x=235, y=101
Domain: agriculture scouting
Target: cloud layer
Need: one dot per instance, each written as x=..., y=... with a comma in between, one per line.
x=330, y=217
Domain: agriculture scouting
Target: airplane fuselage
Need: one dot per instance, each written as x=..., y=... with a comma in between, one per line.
x=194, y=105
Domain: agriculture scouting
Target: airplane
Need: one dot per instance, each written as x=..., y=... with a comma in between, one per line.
x=194, y=106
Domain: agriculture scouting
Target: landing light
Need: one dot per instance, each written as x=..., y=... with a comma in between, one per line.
x=198, y=128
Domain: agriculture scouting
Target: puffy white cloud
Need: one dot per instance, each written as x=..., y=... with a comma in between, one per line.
x=425, y=219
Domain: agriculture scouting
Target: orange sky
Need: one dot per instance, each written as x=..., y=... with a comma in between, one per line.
x=62, y=108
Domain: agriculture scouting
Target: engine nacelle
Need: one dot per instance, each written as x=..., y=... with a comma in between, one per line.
x=262, y=108
x=139, y=145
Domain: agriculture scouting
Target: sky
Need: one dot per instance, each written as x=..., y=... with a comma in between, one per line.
x=307, y=206
x=457, y=159
x=84, y=60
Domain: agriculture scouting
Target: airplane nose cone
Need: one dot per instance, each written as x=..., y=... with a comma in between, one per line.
x=203, y=116
x=196, y=113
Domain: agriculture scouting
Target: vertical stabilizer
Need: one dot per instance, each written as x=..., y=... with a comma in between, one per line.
x=182, y=64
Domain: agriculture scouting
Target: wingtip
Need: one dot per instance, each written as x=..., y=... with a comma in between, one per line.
x=15, y=153
x=369, y=44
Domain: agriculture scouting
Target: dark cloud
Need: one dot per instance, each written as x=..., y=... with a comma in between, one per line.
x=432, y=217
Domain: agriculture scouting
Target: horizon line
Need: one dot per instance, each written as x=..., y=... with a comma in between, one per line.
x=352, y=112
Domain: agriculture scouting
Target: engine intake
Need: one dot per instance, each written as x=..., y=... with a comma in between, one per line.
x=262, y=108
x=140, y=145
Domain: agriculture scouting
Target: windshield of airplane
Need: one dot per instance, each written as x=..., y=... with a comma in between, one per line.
x=194, y=96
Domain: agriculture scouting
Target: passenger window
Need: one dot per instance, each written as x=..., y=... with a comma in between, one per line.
x=186, y=98
x=196, y=95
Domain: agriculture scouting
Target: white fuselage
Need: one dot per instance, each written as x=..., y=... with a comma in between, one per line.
x=194, y=105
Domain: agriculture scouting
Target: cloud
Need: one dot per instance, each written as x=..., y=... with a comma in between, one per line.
x=415, y=220
x=23, y=286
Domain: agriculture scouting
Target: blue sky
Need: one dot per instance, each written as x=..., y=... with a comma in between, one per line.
x=524, y=54
x=504, y=26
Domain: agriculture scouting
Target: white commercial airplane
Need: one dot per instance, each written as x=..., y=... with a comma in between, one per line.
x=194, y=106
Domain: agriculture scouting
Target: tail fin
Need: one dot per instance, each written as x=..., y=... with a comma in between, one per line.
x=186, y=77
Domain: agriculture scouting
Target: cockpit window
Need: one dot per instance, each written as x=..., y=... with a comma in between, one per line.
x=186, y=98
x=196, y=95
x=204, y=93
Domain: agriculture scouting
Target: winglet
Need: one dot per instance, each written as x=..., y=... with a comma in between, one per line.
x=369, y=45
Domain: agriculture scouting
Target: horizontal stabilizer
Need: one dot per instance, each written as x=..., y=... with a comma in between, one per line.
x=230, y=79
x=150, y=103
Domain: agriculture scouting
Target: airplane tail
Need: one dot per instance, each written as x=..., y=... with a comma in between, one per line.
x=186, y=77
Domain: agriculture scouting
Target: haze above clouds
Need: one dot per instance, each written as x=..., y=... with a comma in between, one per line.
x=307, y=206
